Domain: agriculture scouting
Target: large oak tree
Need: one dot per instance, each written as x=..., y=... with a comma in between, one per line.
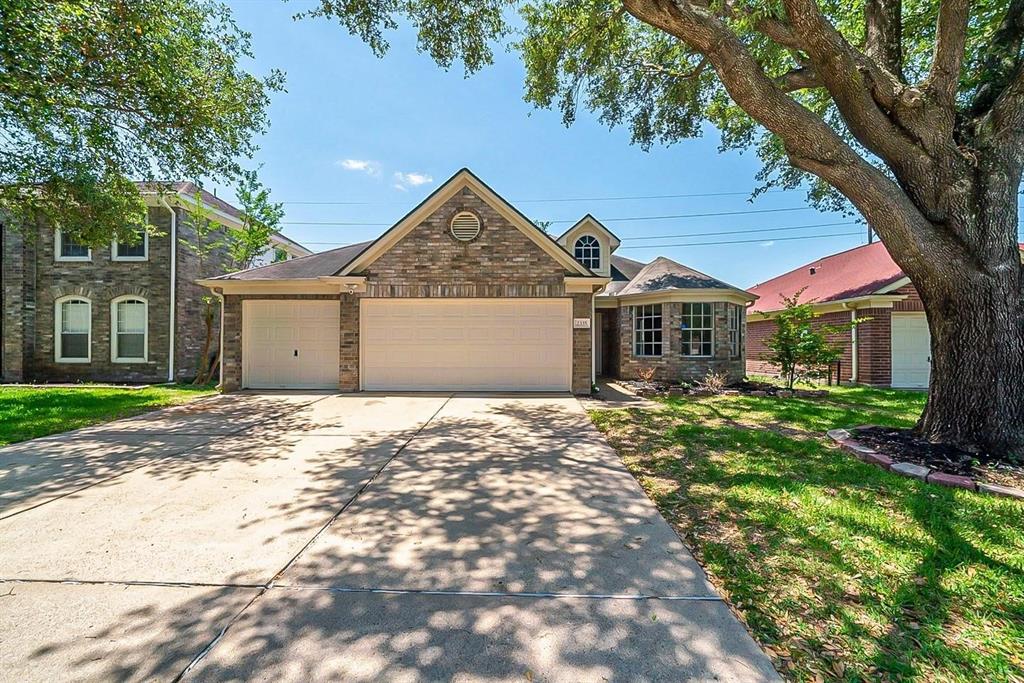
x=912, y=111
x=96, y=94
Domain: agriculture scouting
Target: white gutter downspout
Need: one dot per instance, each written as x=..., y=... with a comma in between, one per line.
x=174, y=283
x=220, y=345
x=853, y=347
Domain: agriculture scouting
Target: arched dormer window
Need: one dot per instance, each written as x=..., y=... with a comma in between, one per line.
x=587, y=251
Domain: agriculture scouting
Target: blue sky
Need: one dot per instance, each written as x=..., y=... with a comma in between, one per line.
x=385, y=132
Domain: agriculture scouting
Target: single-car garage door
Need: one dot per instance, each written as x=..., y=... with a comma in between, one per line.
x=911, y=350
x=290, y=344
x=466, y=344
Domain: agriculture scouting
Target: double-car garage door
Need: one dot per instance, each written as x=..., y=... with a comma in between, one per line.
x=413, y=344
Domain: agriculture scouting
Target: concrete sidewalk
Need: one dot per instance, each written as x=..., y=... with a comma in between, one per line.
x=359, y=537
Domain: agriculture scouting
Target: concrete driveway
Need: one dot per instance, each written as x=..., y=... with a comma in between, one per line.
x=362, y=537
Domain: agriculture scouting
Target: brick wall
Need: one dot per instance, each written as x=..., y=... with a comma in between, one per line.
x=672, y=365
x=874, y=342
x=33, y=280
x=760, y=330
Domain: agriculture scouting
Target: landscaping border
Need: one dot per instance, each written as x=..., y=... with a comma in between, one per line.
x=908, y=469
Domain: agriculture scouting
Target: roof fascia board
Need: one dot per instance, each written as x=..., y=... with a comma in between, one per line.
x=585, y=285
x=296, y=286
x=893, y=286
x=464, y=178
x=684, y=295
x=820, y=308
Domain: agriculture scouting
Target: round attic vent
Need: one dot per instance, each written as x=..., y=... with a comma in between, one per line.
x=465, y=226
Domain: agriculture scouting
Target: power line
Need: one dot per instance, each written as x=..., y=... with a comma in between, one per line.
x=550, y=200
x=738, y=232
x=777, y=239
x=702, y=234
x=607, y=220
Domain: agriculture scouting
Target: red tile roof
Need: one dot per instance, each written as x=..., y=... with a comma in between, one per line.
x=856, y=272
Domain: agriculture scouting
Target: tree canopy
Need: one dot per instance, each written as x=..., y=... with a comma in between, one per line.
x=97, y=94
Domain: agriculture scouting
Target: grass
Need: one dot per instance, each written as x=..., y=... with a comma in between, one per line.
x=841, y=570
x=30, y=412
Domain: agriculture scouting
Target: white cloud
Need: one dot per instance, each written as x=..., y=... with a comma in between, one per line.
x=769, y=243
x=363, y=165
x=412, y=178
x=403, y=188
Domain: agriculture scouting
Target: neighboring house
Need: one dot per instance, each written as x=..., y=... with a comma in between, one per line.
x=466, y=293
x=892, y=347
x=71, y=313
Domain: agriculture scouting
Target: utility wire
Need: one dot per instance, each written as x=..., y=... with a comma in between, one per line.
x=707, y=234
x=608, y=220
x=777, y=239
x=550, y=200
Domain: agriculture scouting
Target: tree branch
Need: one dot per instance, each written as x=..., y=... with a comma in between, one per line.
x=950, y=41
x=1005, y=120
x=800, y=78
x=857, y=85
x=1002, y=60
x=883, y=34
x=810, y=143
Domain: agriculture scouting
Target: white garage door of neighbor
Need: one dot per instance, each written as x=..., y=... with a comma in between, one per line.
x=911, y=350
x=466, y=344
x=290, y=344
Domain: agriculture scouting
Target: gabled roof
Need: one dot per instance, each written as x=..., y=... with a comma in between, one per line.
x=623, y=270
x=462, y=179
x=592, y=223
x=188, y=190
x=665, y=275
x=323, y=264
x=852, y=273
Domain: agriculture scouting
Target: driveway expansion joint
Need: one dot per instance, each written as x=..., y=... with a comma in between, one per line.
x=271, y=583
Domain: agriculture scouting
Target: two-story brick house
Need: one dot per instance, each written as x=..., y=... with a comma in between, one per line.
x=123, y=313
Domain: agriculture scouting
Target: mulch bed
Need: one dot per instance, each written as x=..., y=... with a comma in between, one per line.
x=744, y=388
x=902, y=445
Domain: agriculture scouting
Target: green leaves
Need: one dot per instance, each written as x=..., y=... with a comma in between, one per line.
x=96, y=92
x=800, y=346
x=260, y=218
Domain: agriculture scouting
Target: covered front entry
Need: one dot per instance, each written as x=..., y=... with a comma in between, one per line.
x=466, y=344
x=290, y=344
x=911, y=350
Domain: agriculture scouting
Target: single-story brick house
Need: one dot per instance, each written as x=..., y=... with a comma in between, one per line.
x=466, y=293
x=891, y=348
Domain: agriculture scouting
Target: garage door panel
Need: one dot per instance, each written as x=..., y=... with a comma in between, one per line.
x=911, y=350
x=470, y=344
x=290, y=344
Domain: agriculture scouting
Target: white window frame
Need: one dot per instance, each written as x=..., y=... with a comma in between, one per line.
x=114, y=354
x=641, y=312
x=734, y=323
x=688, y=318
x=58, y=242
x=583, y=261
x=145, y=250
x=58, y=325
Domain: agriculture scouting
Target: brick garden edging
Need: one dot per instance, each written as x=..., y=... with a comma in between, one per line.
x=909, y=469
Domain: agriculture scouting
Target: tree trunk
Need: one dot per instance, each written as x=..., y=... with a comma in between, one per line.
x=976, y=317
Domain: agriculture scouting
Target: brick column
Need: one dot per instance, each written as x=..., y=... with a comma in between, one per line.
x=581, y=345
x=232, y=359
x=348, y=353
x=13, y=294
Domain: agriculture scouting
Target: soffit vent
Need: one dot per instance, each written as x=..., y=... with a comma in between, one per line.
x=465, y=226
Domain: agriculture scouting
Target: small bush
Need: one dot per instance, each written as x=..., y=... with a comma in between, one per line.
x=713, y=382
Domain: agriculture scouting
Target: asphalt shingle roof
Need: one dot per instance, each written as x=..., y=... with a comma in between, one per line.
x=312, y=266
x=663, y=274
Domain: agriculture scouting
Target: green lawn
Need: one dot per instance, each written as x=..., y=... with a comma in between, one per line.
x=843, y=571
x=28, y=412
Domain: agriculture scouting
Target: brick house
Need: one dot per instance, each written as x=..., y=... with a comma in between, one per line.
x=891, y=348
x=72, y=313
x=466, y=293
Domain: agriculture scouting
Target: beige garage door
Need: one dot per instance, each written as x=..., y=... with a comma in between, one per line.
x=911, y=350
x=290, y=344
x=466, y=344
